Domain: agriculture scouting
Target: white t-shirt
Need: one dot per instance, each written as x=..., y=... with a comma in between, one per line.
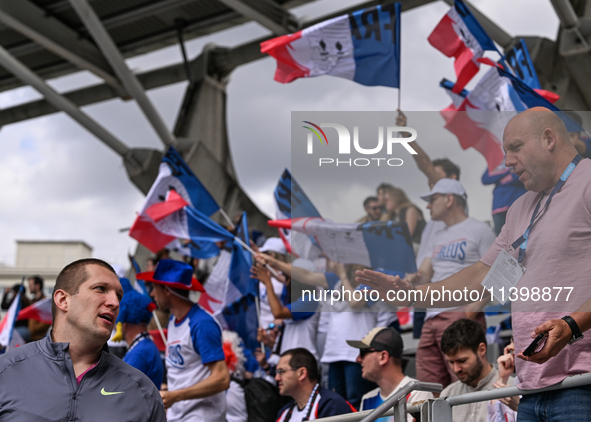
x=456, y=247
x=431, y=227
x=193, y=342
x=301, y=333
x=265, y=309
x=374, y=398
x=346, y=323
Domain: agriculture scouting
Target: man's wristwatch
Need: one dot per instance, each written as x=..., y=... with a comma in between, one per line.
x=577, y=335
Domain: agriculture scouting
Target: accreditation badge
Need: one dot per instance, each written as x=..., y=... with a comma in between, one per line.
x=504, y=274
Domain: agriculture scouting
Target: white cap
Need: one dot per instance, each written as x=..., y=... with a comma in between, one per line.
x=446, y=187
x=274, y=244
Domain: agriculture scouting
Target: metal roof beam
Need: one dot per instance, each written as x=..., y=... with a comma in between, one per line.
x=32, y=22
x=129, y=80
x=14, y=66
x=90, y=95
x=268, y=13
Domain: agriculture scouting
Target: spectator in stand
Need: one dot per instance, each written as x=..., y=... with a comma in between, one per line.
x=507, y=189
x=580, y=140
x=297, y=377
x=381, y=190
x=372, y=208
x=434, y=170
x=197, y=375
x=135, y=312
x=346, y=319
x=399, y=208
x=275, y=247
x=539, y=149
x=299, y=327
x=36, y=288
x=234, y=354
x=504, y=409
x=380, y=356
x=463, y=242
x=22, y=326
x=464, y=345
x=37, y=329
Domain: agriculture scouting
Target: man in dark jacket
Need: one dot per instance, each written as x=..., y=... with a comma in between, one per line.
x=70, y=373
x=297, y=377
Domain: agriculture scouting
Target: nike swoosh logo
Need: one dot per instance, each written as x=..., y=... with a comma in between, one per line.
x=106, y=393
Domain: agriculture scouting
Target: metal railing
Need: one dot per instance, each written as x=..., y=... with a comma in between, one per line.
x=439, y=410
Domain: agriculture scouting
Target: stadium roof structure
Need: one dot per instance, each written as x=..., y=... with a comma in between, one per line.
x=44, y=39
x=51, y=38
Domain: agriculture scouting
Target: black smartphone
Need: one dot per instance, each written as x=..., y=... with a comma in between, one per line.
x=536, y=345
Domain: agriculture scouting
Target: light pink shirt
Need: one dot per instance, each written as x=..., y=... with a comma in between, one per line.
x=558, y=254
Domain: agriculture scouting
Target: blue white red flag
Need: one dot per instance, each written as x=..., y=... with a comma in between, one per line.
x=481, y=118
x=241, y=316
x=380, y=244
x=292, y=202
x=39, y=311
x=363, y=46
x=459, y=35
x=7, y=324
x=175, y=187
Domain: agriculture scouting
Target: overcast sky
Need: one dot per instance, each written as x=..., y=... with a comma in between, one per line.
x=61, y=183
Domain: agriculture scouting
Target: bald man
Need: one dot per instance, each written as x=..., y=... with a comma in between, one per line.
x=556, y=257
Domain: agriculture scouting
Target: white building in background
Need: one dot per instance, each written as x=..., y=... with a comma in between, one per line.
x=42, y=258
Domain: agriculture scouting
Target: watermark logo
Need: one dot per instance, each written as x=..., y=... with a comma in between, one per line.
x=387, y=136
x=318, y=129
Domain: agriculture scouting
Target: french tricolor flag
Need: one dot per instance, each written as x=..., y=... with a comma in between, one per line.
x=378, y=244
x=175, y=187
x=39, y=311
x=479, y=121
x=459, y=35
x=363, y=46
x=7, y=324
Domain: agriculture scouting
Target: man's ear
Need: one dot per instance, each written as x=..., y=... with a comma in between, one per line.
x=303, y=374
x=61, y=299
x=549, y=139
x=482, y=351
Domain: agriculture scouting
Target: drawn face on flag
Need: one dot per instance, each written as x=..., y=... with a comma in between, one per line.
x=327, y=49
x=465, y=34
x=164, y=183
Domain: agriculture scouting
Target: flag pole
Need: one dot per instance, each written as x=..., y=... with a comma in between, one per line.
x=249, y=249
x=227, y=218
x=258, y=309
x=157, y=321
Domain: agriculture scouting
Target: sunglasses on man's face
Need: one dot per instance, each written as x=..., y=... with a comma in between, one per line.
x=364, y=352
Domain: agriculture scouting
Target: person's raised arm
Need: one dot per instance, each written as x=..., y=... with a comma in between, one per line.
x=278, y=310
x=299, y=274
x=431, y=295
x=421, y=158
x=218, y=381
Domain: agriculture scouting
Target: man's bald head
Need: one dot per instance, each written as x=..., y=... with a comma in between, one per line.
x=538, y=147
x=536, y=120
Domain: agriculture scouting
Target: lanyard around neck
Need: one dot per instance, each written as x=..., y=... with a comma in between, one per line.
x=521, y=242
